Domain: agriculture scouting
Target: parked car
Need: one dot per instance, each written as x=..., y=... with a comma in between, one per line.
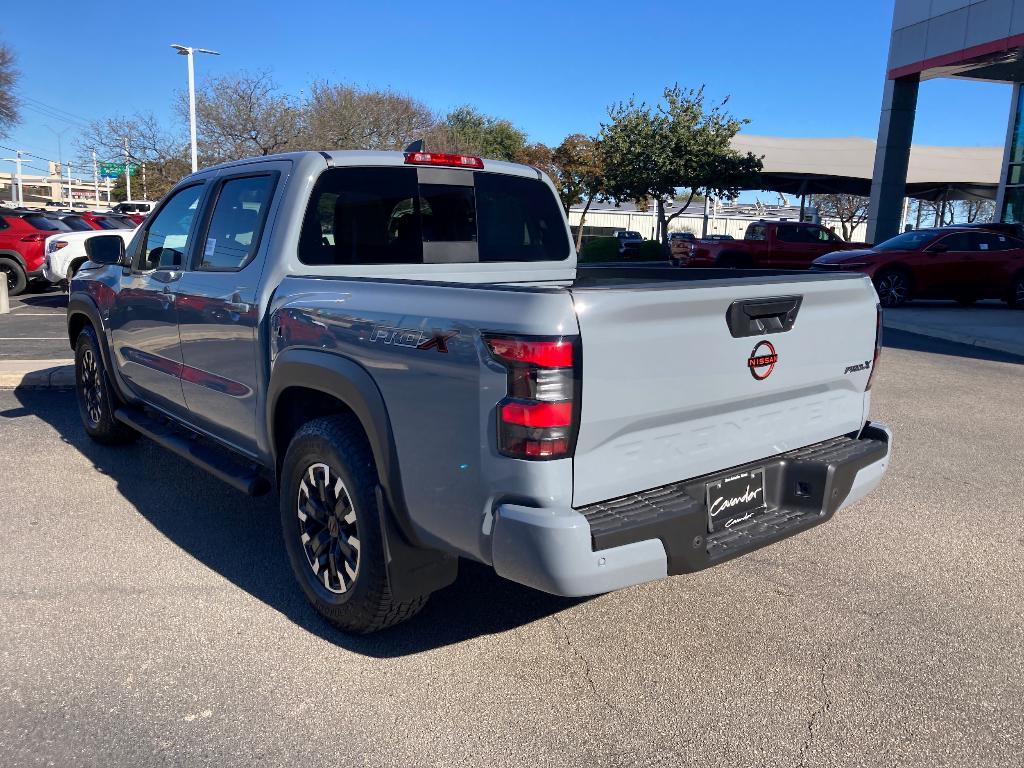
x=65, y=253
x=406, y=350
x=679, y=245
x=100, y=220
x=629, y=241
x=963, y=263
x=136, y=210
x=769, y=245
x=22, y=235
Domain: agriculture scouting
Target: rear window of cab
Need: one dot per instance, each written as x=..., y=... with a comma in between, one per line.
x=367, y=215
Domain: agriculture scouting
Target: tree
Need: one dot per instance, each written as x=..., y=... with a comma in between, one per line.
x=578, y=175
x=242, y=115
x=343, y=117
x=850, y=210
x=650, y=153
x=165, y=153
x=8, y=82
x=468, y=131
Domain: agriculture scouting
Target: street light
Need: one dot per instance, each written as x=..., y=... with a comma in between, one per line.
x=60, y=159
x=184, y=50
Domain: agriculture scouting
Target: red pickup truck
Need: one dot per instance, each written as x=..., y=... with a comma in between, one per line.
x=768, y=245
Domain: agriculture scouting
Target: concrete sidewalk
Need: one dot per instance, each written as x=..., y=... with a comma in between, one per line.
x=37, y=374
x=989, y=325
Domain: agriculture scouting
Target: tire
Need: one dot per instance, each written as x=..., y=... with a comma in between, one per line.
x=733, y=261
x=96, y=398
x=330, y=520
x=17, y=281
x=1017, y=292
x=893, y=287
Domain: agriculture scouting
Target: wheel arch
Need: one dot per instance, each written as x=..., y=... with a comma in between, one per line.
x=305, y=384
x=9, y=254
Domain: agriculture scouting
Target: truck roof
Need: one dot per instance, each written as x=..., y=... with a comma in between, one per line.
x=351, y=157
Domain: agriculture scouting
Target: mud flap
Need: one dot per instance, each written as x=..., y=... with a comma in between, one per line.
x=412, y=571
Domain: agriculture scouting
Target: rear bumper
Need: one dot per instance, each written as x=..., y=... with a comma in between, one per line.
x=663, y=532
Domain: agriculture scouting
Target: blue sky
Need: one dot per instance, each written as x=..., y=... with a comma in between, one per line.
x=794, y=68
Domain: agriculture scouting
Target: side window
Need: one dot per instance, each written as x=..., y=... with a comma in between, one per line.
x=4, y=224
x=166, y=240
x=756, y=232
x=992, y=241
x=960, y=241
x=363, y=216
x=788, y=234
x=237, y=222
x=827, y=236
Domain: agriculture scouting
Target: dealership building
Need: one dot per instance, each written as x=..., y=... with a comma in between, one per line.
x=967, y=39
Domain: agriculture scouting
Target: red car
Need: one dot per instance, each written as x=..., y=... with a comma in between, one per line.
x=767, y=245
x=965, y=264
x=107, y=220
x=22, y=236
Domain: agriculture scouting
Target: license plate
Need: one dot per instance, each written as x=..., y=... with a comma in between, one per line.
x=735, y=499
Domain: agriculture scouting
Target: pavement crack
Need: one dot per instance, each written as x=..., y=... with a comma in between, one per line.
x=588, y=674
x=824, y=707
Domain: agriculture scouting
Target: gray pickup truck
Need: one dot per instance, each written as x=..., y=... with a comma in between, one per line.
x=402, y=345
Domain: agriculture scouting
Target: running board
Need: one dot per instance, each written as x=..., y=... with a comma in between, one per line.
x=218, y=462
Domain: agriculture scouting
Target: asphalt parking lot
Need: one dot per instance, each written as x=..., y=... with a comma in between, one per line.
x=36, y=328
x=149, y=618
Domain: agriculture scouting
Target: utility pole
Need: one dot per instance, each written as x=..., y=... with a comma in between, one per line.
x=60, y=156
x=71, y=197
x=108, y=190
x=17, y=175
x=145, y=190
x=127, y=171
x=189, y=52
x=21, y=189
x=95, y=179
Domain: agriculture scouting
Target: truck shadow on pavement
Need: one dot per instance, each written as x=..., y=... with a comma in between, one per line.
x=239, y=538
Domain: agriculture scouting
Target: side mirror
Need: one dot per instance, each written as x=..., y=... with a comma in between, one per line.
x=937, y=248
x=105, y=249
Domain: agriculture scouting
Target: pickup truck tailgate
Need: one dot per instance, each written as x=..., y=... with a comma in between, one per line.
x=670, y=392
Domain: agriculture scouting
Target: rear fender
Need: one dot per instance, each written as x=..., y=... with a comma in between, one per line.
x=412, y=568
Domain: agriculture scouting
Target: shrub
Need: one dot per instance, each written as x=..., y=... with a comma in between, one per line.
x=652, y=250
x=600, y=249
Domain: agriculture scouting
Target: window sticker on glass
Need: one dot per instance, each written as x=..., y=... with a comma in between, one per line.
x=211, y=246
x=983, y=246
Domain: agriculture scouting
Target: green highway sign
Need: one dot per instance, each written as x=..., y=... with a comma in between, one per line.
x=113, y=170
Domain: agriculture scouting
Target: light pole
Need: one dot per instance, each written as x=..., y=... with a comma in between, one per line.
x=184, y=50
x=60, y=156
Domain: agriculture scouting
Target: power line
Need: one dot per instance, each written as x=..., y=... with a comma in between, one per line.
x=70, y=116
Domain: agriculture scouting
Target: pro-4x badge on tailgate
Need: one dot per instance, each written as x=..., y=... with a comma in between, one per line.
x=762, y=360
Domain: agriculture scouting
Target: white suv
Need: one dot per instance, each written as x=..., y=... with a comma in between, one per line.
x=65, y=252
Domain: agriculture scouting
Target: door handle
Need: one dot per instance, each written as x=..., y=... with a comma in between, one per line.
x=167, y=275
x=235, y=304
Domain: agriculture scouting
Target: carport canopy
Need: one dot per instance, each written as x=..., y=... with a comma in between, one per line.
x=818, y=166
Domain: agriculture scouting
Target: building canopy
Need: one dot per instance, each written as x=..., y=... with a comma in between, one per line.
x=800, y=166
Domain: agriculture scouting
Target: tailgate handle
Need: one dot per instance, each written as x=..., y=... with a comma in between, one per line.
x=759, y=317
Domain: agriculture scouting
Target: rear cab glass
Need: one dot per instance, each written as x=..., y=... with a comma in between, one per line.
x=398, y=215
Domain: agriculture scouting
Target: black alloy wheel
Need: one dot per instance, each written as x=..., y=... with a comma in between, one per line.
x=328, y=528
x=90, y=388
x=17, y=281
x=893, y=288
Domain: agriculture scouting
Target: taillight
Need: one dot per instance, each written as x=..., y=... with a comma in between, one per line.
x=36, y=238
x=538, y=419
x=878, y=346
x=442, y=158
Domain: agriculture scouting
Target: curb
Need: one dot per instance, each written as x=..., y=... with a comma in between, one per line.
x=1008, y=347
x=37, y=374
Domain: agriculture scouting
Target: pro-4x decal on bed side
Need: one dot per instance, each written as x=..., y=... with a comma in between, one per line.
x=406, y=337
